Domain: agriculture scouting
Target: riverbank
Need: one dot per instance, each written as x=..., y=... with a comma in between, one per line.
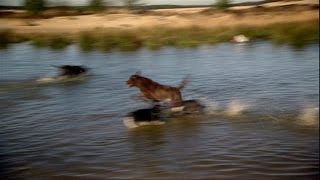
x=295, y=23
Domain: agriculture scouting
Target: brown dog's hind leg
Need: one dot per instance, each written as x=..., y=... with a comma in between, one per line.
x=140, y=96
x=177, y=104
x=177, y=101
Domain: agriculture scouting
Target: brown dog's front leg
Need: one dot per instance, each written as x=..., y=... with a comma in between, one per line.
x=140, y=96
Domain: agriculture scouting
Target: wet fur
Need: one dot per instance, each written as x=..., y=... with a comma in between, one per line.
x=71, y=71
x=150, y=114
x=155, y=91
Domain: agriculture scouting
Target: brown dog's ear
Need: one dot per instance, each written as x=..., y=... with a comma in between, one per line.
x=138, y=73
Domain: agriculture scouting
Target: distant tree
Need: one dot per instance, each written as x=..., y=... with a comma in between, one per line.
x=131, y=4
x=35, y=6
x=97, y=5
x=58, y=3
x=222, y=4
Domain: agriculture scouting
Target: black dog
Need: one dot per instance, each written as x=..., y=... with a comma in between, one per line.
x=71, y=71
x=192, y=107
x=150, y=116
x=157, y=114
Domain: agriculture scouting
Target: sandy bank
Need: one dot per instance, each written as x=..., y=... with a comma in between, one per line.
x=183, y=17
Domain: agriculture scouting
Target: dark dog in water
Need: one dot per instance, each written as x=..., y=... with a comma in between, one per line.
x=192, y=107
x=157, y=114
x=150, y=116
x=157, y=92
x=66, y=72
x=70, y=71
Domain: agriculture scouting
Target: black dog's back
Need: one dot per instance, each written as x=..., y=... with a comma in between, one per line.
x=192, y=107
x=150, y=114
x=156, y=113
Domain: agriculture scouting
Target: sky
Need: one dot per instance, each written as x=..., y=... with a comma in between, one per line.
x=147, y=2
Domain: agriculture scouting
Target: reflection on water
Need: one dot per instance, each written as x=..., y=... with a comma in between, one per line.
x=261, y=118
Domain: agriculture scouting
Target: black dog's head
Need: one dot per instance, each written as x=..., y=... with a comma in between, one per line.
x=68, y=70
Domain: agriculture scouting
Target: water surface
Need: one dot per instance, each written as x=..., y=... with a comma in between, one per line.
x=261, y=120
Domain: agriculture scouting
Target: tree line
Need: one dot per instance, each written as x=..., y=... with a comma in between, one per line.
x=37, y=6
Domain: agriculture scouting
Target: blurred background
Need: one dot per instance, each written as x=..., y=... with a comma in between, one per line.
x=254, y=65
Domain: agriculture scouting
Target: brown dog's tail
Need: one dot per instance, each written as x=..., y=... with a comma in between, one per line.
x=184, y=82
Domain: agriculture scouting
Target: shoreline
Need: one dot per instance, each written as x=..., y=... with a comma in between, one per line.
x=55, y=20
x=182, y=27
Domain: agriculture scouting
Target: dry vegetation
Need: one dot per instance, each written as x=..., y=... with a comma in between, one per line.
x=293, y=23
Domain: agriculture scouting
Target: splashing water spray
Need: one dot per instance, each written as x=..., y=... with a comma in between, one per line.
x=236, y=108
x=309, y=116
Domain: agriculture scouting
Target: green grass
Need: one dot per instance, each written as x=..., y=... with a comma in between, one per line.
x=108, y=40
x=86, y=41
x=7, y=37
x=52, y=41
x=295, y=34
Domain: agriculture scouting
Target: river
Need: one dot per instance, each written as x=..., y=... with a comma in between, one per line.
x=261, y=118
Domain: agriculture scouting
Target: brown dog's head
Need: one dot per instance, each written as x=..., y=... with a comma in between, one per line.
x=137, y=80
x=133, y=80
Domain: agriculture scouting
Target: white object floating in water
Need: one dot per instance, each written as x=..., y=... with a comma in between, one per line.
x=239, y=39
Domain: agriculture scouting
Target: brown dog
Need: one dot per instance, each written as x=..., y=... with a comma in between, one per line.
x=157, y=92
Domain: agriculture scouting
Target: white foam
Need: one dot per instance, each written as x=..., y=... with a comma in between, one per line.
x=211, y=107
x=236, y=108
x=144, y=123
x=177, y=109
x=130, y=123
x=58, y=79
x=309, y=116
x=46, y=80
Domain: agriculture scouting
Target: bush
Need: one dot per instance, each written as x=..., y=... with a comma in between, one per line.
x=86, y=41
x=52, y=41
x=222, y=4
x=7, y=37
x=4, y=38
x=34, y=6
x=131, y=4
x=96, y=5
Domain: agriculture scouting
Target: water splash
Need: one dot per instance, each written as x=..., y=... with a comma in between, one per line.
x=130, y=123
x=211, y=107
x=309, y=116
x=236, y=108
x=46, y=80
x=62, y=79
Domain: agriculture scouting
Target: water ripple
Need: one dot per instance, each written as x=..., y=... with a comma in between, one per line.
x=261, y=119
